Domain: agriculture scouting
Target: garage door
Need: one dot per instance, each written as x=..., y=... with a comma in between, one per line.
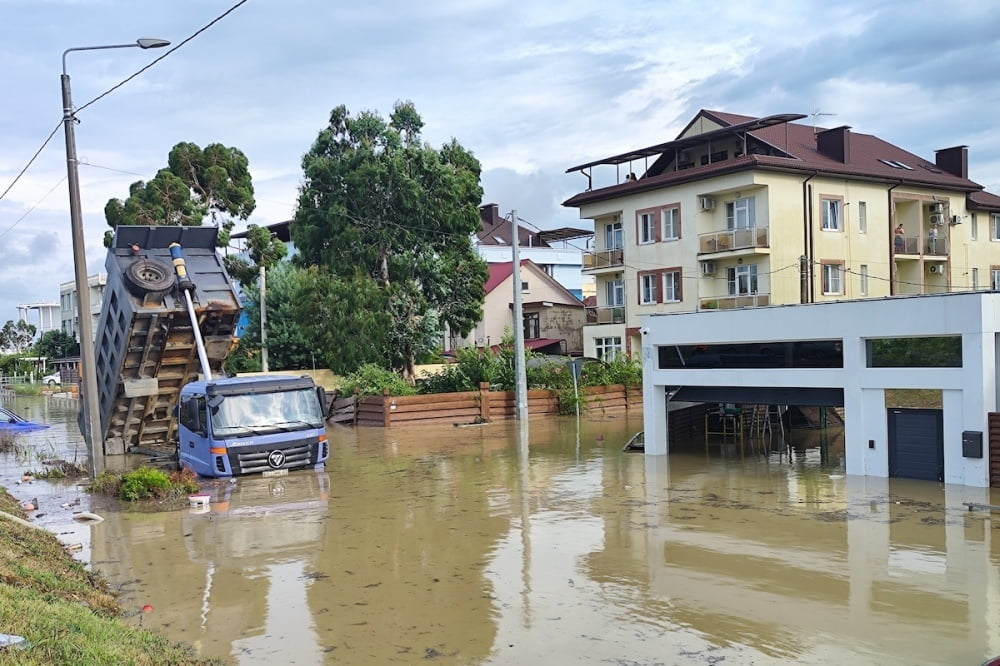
x=916, y=443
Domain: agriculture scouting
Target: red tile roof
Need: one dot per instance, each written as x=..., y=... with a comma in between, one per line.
x=799, y=142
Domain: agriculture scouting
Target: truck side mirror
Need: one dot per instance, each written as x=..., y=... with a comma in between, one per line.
x=321, y=395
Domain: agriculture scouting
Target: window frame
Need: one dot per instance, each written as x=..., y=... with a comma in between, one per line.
x=733, y=209
x=995, y=278
x=735, y=274
x=659, y=221
x=614, y=287
x=863, y=279
x=649, y=281
x=608, y=346
x=675, y=290
x=863, y=217
x=613, y=231
x=833, y=271
x=828, y=203
x=674, y=212
x=529, y=321
x=646, y=227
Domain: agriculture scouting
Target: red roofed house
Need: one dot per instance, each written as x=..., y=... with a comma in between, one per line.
x=553, y=317
x=740, y=212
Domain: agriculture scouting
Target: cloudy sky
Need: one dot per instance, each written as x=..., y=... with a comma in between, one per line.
x=530, y=88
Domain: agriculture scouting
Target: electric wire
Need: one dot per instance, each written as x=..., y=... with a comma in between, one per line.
x=31, y=161
x=37, y=203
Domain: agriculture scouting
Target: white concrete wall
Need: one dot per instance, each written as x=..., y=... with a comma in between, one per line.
x=969, y=393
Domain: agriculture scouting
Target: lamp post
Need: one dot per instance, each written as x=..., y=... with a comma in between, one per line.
x=88, y=375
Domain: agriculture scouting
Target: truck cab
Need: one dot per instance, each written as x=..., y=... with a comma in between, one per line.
x=246, y=425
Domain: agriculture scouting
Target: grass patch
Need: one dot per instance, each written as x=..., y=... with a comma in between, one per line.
x=147, y=484
x=27, y=389
x=58, y=469
x=68, y=614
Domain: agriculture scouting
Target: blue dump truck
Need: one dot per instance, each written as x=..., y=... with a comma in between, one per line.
x=167, y=322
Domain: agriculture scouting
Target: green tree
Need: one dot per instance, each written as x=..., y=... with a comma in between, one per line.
x=213, y=183
x=265, y=249
x=57, y=344
x=17, y=336
x=381, y=210
x=288, y=345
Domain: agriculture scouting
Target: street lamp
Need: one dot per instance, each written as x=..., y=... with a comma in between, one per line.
x=88, y=375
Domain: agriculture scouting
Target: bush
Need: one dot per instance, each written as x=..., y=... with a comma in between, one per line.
x=451, y=379
x=144, y=483
x=371, y=379
x=184, y=481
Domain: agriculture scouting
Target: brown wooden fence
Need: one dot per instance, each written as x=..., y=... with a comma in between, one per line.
x=994, y=449
x=480, y=406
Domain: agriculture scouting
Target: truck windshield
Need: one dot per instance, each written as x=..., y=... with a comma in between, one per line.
x=267, y=412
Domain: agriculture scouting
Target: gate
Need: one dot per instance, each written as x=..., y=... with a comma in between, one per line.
x=994, y=449
x=916, y=443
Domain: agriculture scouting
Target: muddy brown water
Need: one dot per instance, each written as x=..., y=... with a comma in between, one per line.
x=462, y=546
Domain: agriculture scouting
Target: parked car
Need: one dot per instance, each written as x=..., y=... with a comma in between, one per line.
x=52, y=380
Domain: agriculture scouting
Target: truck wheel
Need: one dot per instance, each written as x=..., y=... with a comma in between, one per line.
x=149, y=276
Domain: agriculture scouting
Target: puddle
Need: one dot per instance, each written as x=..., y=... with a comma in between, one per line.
x=459, y=546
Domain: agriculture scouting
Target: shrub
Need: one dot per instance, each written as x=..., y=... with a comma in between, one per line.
x=451, y=379
x=371, y=379
x=184, y=481
x=144, y=483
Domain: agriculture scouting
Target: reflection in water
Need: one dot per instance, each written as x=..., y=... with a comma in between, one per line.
x=463, y=545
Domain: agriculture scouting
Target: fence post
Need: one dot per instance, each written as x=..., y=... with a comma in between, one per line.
x=484, y=401
x=357, y=404
x=627, y=404
x=386, y=413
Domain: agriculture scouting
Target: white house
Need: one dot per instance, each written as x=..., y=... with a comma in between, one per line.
x=828, y=354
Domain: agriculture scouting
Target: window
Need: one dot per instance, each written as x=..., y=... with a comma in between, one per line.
x=671, y=223
x=672, y=286
x=742, y=280
x=608, y=349
x=613, y=236
x=930, y=352
x=975, y=279
x=648, y=293
x=647, y=228
x=833, y=279
x=524, y=286
x=532, y=326
x=831, y=215
x=995, y=278
x=862, y=217
x=615, y=292
x=995, y=227
x=973, y=228
x=864, y=279
x=740, y=214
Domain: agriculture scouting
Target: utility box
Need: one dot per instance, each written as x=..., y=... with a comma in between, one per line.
x=145, y=343
x=972, y=444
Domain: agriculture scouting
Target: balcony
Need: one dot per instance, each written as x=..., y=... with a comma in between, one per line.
x=911, y=247
x=733, y=239
x=605, y=315
x=735, y=302
x=598, y=259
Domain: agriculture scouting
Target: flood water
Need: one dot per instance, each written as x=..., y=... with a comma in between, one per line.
x=462, y=546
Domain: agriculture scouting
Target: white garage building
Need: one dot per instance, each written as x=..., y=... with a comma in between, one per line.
x=843, y=354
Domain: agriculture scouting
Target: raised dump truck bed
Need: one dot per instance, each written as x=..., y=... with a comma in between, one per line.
x=145, y=344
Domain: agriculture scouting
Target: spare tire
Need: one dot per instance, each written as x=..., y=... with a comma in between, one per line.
x=149, y=276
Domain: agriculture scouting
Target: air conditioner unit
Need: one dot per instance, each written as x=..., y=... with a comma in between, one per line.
x=937, y=208
x=936, y=268
x=956, y=219
x=707, y=267
x=706, y=203
x=937, y=219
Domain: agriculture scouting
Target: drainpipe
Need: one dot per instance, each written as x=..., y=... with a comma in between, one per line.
x=805, y=289
x=891, y=240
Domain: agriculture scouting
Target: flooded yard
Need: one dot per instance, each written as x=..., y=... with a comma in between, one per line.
x=474, y=545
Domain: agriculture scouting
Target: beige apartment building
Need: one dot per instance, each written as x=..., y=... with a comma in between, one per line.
x=743, y=212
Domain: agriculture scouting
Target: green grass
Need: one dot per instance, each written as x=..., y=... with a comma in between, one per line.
x=68, y=614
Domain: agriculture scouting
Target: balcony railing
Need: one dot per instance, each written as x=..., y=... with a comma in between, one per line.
x=605, y=315
x=914, y=244
x=603, y=259
x=735, y=302
x=732, y=239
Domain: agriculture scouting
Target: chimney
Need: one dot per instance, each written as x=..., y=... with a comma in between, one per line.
x=835, y=143
x=954, y=160
x=490, y=214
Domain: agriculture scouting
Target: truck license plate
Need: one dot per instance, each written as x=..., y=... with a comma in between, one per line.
x=275, y=472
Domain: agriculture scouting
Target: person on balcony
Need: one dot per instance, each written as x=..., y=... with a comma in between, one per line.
x=898, y=241
x=932, y=237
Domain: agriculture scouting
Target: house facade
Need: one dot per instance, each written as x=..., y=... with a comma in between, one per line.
x=743, y=212
x=69, y=309
x=552, y=316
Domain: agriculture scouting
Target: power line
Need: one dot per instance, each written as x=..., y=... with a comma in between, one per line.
x=167, y=53
x=32, y=160
x=37, y=203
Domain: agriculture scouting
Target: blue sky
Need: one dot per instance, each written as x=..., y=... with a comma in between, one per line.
x=531, y=89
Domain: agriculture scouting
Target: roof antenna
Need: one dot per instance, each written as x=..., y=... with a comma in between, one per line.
x=815, y=114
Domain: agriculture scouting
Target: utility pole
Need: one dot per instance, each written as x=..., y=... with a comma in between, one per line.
x=520, y=375
x=263, y=320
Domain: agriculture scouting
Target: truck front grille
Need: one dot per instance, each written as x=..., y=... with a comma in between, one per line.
x=253, y=460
